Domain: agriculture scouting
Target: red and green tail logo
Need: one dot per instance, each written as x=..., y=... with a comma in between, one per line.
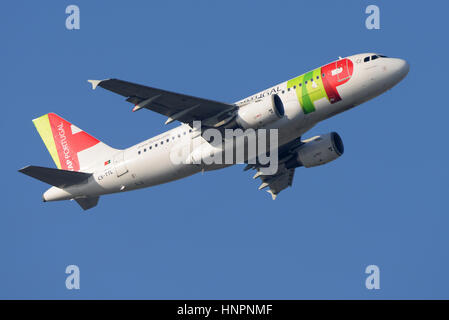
x=63, y=140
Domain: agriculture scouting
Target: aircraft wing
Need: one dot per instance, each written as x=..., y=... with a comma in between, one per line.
x=283, y=177
x=276, y=182
x=175, y=106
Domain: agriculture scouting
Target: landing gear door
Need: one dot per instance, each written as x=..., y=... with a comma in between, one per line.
x=119, y=164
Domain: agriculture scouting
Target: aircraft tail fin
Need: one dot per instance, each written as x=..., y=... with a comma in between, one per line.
x=70, y=147
x=56, y=177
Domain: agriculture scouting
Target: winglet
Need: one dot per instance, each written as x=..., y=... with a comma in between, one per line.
x=94, y=83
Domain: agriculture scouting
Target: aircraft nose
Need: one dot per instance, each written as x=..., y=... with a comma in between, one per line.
x=401, y=67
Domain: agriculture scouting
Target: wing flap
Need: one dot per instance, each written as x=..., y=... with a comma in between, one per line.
x=283, y=178
x=276, y=182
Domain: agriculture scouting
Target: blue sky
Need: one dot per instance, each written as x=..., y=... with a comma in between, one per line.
x=215, y=236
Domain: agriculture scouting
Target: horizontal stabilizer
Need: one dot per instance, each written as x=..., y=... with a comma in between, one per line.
x=87, y=203
x=56, y=177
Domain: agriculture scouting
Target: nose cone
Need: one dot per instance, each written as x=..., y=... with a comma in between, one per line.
x=403, y=67
x=400, y=68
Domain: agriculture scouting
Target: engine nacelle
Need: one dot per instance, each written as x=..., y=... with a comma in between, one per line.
x=317, y=151
x=260, y=113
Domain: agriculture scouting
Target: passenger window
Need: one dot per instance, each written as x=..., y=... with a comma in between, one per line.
x=179, y=136
x=288, y=89
x=283, y=91
x=168, y=140
x=138, y=152
x=317, y=77
x=300, y=84
x=305, y=82
x=190, y=130
x=145, y=150
x=322, y=75
x=366, y=59
x=162, y=142
x=151, y=147
x=155, y=145
x=294, y=87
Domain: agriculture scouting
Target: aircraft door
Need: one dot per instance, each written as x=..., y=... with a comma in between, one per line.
x=119, y=164
x=342, y=70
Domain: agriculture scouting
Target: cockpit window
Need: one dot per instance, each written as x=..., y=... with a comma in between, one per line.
x=374, y=57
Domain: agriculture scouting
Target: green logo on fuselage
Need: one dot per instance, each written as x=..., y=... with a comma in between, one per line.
x=321, y=83
x=309, y=88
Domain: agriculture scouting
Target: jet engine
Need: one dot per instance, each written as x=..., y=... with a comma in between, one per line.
x=317, y=151
x=260, y=113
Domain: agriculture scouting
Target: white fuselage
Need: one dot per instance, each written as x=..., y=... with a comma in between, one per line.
x=148, y=163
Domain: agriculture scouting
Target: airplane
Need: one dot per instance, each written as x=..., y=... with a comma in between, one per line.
x=88, y=168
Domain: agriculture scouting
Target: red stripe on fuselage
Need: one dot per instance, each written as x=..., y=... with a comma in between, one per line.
x=332, y=81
